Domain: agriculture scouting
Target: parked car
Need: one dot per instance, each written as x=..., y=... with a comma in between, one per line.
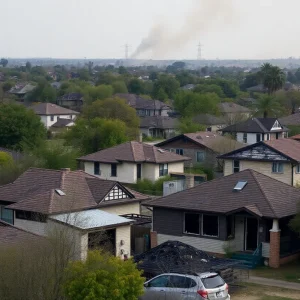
x=171, y=286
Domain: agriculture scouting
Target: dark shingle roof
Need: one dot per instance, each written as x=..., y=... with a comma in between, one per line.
x=71, y=97
x=254, y=125
x=62, y=122
x=35, y=190
x=10, y=234
x=134, y=152
x=52, y=109
x=293, y=119
x=159, y=122
x=262, y=195
x=210, y=140
x=138, y=102
x=207, y=119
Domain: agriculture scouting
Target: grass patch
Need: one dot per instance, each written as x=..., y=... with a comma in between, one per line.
x=289, y=272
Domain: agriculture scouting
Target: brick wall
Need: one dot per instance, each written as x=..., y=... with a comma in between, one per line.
x=274, y=260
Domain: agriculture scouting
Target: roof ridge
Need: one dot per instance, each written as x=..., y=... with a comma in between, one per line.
x=260, y=124
x=132, y=150
x=253, y=173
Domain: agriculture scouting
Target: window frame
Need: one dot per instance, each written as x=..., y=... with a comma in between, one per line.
x=202, y=226
x=179, y=151
x=9, y=221
x=234, y=167
x=30, y=216
x=203, y=153
x=163, y=171
x=276, y=169
x=245, y=138
x=52, y=118
x=298, y=169
x=113, y=170
x=199, y=229
x=258, y=137
x=97, y=168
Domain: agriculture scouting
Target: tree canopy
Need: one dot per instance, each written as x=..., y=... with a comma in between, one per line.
x=165, y=85
x=20, y=128
x=273, y=78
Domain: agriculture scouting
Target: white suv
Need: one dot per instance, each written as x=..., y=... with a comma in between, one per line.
x=171, y=286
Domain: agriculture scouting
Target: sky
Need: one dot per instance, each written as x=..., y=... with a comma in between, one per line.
x=169, y=29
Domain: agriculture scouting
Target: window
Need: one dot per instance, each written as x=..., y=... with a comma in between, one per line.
x=258, y=136
x=213, y=282
x=163, y=170
x=96, y=168
x=52, y=118
x=116, y=193
x=172, y=150
x=147, y=112
x=236, y=166
x=209, y=129
x=30, y=216
x=113, y=169
x=277, y=167
x=181, y=282
x=6, y=215
x=245, y=138
x=210, y=225
x=191, y=223
x=179, y=151
x=267, y=136
x=161, y=281
x=200, y=156
x=298, y=168
x=230, y=222
x=276, y=126
x=139, y=171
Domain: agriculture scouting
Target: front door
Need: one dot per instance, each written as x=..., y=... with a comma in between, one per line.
x=139, y=171
x=251, y=233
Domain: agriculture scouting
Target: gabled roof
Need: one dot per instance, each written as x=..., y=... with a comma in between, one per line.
x=160, y=122
x=274, y=150
x=22, y=88
x=10, y=235
x=255, y=125
x=134, y=152
x=263, y=196
x=71, y=97
x=210, y=140
x=295, y=137
x=139, y=102
x=63, y=123
x=231, y=107
x=91, y=219
x=49, y=109
x=207, y=119
x=38, y=190
x=293, y=119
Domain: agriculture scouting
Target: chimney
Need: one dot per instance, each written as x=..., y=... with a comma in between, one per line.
x=66, y=169
x=189, y=180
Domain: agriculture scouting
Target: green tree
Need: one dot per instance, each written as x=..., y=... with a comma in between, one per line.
x=103, y=277
x=3, y=62
x=136, y=86
x=186, y=125
x=100, y=92
x=168, y=83
x=93, y=135
x=7, y=85
x=161, y=95
x=273, y=78
x=290, y=100
x=5, y=159
x=209, y=88
x=20, y=128
x=28, y=66
x=122, y=70
x=119, y=87
x=44, y=92
x=268, y=106
x=249, y=81
x=297, y=74
x=114, y=108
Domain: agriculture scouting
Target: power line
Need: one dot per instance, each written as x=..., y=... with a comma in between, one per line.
x=126, y=47
x=199, y=47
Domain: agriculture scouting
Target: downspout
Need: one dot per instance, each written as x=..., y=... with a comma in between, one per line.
x=293, y=175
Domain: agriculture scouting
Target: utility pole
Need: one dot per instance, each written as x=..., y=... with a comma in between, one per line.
x=126, y=47
x=199, y=47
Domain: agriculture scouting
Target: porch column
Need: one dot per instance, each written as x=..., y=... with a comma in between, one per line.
x=274, y=260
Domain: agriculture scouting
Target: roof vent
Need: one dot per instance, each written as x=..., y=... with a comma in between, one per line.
x=240, y=185
x=60, y=192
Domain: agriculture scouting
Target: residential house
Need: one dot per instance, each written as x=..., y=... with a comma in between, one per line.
x=56, y=85
x=291, y=120
x=256, y=129
x=279, y=159
x=246, y=211
x=288, y=86
x=132, y=161
x=146, y=107
x=42, y=200
x=188, y=87
x=201, y=147
x=20, y=90
x=296, y=137
x=72, y=101
x=233, y=112
x=52, y=114
x=158, y=126
x=211, y=122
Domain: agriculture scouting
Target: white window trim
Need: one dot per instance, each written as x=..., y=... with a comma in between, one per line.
x=277, y=172
x=276, y=126
x=234, y=167
x=214, y=236
x=189, y=233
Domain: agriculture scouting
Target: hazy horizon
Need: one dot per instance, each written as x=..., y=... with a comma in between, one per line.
x=158, y=30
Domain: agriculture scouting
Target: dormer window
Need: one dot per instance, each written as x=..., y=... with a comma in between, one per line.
x=276, y=126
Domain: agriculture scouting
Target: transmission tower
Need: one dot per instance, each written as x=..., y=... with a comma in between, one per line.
x=199, y=47
x=126, y=47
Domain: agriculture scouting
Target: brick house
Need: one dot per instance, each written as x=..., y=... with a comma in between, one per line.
x=256, y=129
x=279, y=159
x=72, y=101
x=244, y=210
x=42, y=200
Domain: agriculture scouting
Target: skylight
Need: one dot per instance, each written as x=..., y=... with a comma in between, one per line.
x=60, y=192
x=240, y=185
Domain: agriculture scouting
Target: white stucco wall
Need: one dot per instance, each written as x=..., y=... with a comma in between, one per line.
x=124, y=209
x=31, y=226
x=46, y=120
x=251, y=138
x=176, y=167
x=150, y=171
x=123, y=233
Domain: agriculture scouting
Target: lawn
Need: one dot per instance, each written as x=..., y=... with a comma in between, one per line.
x=288, y=272
x=259, y=292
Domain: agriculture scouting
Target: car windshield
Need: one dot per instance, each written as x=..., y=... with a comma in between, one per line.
x=213, y=282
